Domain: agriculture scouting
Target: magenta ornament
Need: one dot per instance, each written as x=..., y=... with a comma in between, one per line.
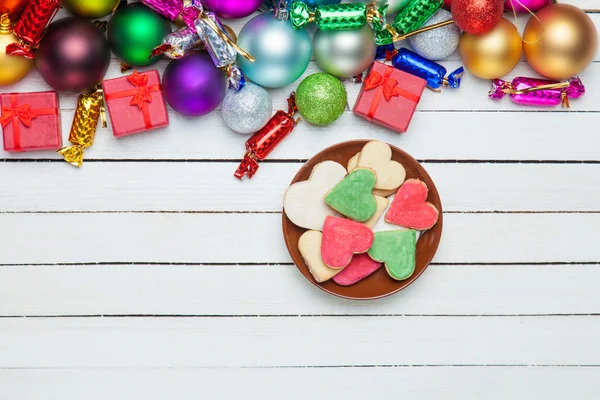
x=537, y=92
x=193, y=86
x=232, y=9
x=532, y=5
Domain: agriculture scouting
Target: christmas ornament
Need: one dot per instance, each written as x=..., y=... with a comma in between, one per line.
x=494, y=54
x=394, y=6
x=134, y=31
x=281, y=52
x=12, y=68
x=30, y=121
x=192, y=85
x=414, y=15
x=435, y=74
x=31, y=27
x=568, y=42
x=13, y=8
x=389, y=97
x=73, y=56
x=439, y=43
x=525, y=6
x=477, y=16
x=90, y=9
x=345, y=54
x=537, y=92
x=321, y=98
x=447, y=4
x=263, y=142
x=232, y=9
x=331, y=17
x=90, y=107
x=247, y=110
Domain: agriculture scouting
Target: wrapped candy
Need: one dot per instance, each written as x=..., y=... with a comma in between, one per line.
x=263, y=142
x=31, y=27
x=415, y=14
x=172, y=9
x=538, y=92
x=178, y=44
x=90, y=107
x=435, y=74
x=329, y=17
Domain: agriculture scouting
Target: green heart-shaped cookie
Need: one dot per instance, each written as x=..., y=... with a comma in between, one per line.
x=397, y=250
x=353, y=196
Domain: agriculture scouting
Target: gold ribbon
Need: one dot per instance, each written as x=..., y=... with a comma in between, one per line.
x=226, y=38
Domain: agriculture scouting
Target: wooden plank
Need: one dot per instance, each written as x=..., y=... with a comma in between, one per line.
x=281, y=290
x=247, y=238
x=184, y=187
x=293, y=341
x=423, y=383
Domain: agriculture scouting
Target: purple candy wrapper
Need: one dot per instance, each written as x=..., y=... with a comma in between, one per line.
x=537, y=92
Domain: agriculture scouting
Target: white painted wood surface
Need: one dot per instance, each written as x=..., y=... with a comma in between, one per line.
x=152, y=273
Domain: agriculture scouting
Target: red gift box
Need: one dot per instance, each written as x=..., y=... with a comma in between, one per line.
x=30, y=121
x=389, y=97
x=135, y=103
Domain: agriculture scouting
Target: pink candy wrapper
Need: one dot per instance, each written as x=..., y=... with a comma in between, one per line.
x=538, y=92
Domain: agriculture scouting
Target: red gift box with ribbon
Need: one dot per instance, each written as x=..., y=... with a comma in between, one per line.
x=135, y=103
x=30, y=121
x=389, y=97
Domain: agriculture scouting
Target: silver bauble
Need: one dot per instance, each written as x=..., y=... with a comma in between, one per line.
x=345, y=54
x=247, y=110
x=394, y=6
x=438, y=43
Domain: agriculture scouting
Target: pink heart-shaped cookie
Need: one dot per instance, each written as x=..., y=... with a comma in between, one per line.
x=359, y=268
x=342, y=238
x=410, y=207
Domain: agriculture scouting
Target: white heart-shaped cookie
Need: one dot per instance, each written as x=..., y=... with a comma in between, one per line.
x=303, y=201
x=351, y=166
x=382, y=205
x=310, y=249
x=378, y=156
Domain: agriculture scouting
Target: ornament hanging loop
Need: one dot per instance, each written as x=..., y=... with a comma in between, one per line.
x=512, y=5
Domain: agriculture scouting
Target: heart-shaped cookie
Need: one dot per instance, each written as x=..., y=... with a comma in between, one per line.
x=303, y=201
x=377, y=156
x=396, y=249
x=351, y=166
x=342, y=238
x=410, y=207
x=309, y=245
x=382, y=205
x=359, y=268
x=353, y=196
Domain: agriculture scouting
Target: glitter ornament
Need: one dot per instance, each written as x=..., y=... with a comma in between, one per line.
x=232, y=9
x=247, y=110
x=12, y=69
x=345, y=54
x=321, y=98
x=439, y=43
x=522, y=6
x=477, y=16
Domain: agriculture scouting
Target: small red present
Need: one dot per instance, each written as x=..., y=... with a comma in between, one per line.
x=30, y=121
x=135, y=103
x=389, y=97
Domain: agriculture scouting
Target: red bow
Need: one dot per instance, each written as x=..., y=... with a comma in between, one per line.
x=142, y=95
x=389, y=85
x=23, y=113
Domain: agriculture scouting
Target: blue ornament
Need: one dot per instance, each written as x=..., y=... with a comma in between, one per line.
x=281, y=52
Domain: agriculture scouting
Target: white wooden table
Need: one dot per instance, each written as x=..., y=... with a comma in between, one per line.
x=152, y=273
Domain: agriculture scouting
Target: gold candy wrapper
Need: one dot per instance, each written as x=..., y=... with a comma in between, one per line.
x=90, y=108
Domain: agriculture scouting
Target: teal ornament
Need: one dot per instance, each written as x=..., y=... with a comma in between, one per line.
x=281, y=53
x=321, y=98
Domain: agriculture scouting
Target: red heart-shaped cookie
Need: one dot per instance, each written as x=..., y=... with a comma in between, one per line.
x=410, y=207
x=342, y=238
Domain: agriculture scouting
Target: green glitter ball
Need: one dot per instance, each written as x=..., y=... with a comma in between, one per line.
x=321, y=98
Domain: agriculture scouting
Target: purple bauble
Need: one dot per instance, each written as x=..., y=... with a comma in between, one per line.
x=533, y=5
x=73, y=56
x=232, y=9
x=193, y=86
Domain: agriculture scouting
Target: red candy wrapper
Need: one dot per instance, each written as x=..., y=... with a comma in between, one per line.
x=31, y=27
x=389, y=97
x=135, y=103
x=30, y=121
x=263, y=142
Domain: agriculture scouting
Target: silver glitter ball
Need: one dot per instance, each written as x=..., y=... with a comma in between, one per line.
x=247, y=110
x=439, y=43
x=345, y=54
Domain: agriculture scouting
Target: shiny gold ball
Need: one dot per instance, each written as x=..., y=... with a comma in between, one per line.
x=12, y=68
x=568, y=44
x=493, y=54
x=90, y=9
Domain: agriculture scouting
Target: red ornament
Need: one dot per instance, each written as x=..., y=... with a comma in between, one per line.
x=447, y=4
x=477, y=16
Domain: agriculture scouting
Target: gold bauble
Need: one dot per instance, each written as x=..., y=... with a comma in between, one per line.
x=12, y=68
x=568, y=41
x=493, y=54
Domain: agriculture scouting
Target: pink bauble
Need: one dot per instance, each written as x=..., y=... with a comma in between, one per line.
x=533, y=5
x=232, y=9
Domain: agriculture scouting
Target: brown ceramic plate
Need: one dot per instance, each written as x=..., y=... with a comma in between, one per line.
x=378, y=284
